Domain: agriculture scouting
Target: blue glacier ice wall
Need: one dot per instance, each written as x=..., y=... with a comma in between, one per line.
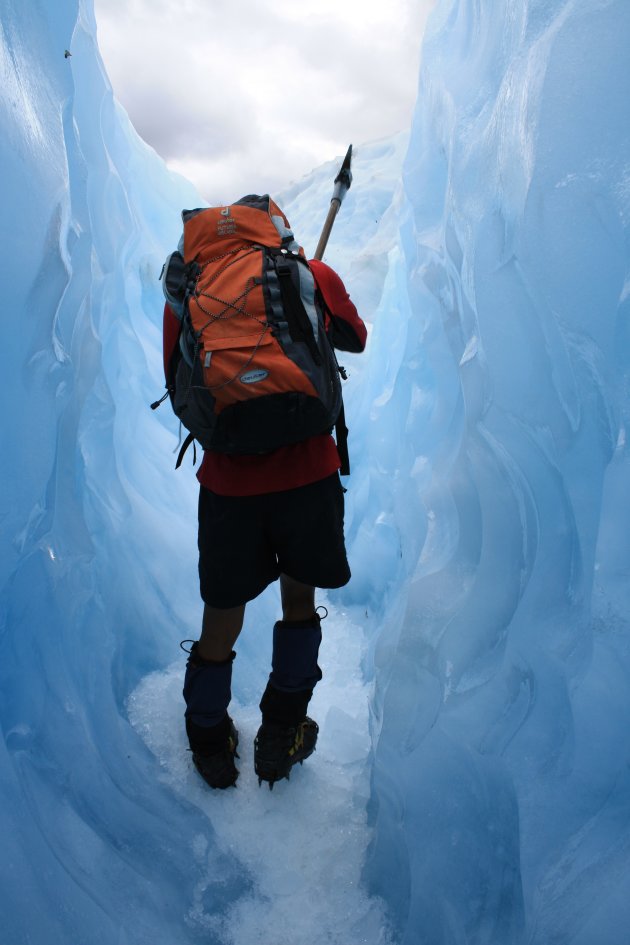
x=490, y=528
x=93, y=848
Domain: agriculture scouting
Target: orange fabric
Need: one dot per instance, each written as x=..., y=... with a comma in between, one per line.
x=261, y=353
x=235, y=336
x=231, y=226
x=230, y=320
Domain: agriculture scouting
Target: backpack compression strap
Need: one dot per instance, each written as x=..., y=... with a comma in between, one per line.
x=341, y=435
x=189, y=439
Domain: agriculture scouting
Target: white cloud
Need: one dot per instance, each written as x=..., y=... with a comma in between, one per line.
x=244, y=96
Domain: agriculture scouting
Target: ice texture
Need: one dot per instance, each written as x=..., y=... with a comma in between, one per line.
x=472, y=782
x=490, y=516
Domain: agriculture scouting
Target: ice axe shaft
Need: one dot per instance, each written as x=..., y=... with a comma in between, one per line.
x=343, y=180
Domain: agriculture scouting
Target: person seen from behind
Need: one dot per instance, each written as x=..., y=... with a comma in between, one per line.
x=263, y=516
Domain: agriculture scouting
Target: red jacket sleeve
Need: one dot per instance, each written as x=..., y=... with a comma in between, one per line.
x=348, y=332
x=170, y=335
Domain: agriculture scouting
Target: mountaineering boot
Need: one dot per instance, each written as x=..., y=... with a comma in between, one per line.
x=278, y=747
x=211, y=733
x=287, y=735
x=213, y=752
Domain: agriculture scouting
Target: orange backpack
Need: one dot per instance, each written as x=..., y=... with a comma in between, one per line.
x=254, y=369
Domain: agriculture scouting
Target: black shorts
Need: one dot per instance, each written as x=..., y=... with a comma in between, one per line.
x=246, y=542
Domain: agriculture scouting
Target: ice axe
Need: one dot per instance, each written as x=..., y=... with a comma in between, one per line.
x=342, y=186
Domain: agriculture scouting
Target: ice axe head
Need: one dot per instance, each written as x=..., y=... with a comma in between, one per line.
x=342, y=185
x=343, y=180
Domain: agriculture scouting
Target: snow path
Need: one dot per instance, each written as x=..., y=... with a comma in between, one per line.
x=302, y=846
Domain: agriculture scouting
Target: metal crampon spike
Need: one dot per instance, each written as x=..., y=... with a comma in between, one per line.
x=271, y=784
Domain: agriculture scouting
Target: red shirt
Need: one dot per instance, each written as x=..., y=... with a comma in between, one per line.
x=301, y=463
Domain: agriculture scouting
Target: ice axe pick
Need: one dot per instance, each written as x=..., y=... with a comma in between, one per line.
x=343, y=181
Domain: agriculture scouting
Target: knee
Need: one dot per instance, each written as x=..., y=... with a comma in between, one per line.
x=220, y=631
x=298, y=600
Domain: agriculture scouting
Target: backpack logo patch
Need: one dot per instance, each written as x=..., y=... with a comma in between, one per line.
x=226, y=224
x=253, y=377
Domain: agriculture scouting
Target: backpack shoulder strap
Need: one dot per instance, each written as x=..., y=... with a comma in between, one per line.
x=300, y=327
x=341, y=430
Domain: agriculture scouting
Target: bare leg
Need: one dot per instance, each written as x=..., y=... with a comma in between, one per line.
x=298, y=600
x=220, y=631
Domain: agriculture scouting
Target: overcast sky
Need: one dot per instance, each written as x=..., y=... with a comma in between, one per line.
x=246, y=96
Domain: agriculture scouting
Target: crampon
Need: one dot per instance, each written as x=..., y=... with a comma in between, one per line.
x=278, y=747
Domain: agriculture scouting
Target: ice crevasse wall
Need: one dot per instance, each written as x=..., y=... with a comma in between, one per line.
x=498, y=452
x=86, y=209
x=487, y=523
